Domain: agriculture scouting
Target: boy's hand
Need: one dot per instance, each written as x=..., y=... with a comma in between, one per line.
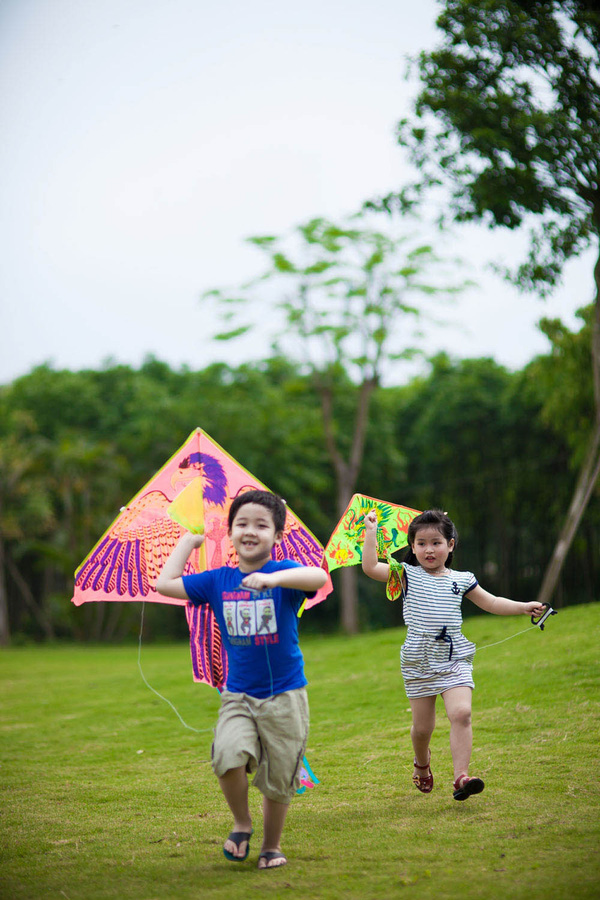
x=169, y=581
x=194, y=540
x=371, y=520
x=259, y=581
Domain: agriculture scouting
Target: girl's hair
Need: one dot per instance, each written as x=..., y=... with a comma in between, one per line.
x=272, y=502
x=431, y=518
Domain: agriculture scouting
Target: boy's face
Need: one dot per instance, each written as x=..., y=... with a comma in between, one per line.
x=253, y=535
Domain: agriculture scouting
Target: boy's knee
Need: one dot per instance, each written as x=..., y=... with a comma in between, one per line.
x=226, y=759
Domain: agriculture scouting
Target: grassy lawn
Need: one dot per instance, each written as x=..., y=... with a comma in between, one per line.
x=107, y=795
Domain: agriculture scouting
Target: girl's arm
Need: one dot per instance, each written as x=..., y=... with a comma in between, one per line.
x=170, y=582
x=302, y=578
x=371, y=566
x=502, y=606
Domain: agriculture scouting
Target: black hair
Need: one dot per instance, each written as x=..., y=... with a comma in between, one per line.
x=263, y=498
x=434, y=518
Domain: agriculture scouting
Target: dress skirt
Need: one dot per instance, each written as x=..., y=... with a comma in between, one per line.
x=431, y=665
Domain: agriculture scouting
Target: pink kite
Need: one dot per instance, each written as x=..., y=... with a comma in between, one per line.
x=193, y=491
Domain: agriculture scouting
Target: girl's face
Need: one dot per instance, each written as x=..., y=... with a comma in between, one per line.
x=432, y=549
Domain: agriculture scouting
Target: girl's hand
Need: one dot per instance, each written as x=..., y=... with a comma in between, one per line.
x=533, y=608
x=259, y=581
x=371, y=520
x=195, y=540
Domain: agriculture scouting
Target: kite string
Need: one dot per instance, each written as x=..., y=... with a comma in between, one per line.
x=148, y=685
x=495, y=644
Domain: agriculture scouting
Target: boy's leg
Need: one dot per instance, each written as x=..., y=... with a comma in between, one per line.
x=283, y=726
x=458, y=707
x=274, y=814
x=423, y=723
x=235, y=751
x=234, y=785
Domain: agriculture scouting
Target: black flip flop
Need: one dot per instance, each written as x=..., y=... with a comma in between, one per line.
x=238, y=837
x=268, y=855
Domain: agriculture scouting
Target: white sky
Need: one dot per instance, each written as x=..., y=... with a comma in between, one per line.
x=143, y=140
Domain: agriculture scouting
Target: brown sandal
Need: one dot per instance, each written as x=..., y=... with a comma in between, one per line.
x=423, y=783
x=464, y=787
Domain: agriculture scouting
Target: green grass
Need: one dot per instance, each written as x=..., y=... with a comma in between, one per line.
x=106, y=795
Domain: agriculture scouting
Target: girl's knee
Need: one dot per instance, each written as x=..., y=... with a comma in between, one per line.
x=461, y=716
x=421, y=732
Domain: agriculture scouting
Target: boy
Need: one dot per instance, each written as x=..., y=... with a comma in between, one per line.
x=263, y=720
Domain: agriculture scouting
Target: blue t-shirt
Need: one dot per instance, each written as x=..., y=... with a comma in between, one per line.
x=259, y=628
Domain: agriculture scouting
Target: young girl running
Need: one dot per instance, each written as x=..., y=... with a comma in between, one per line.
x=436, y=657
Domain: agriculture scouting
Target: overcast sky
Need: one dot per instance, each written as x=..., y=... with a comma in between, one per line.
x=143, y=140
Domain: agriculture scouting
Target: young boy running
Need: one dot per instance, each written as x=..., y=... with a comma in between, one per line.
x=263, y=719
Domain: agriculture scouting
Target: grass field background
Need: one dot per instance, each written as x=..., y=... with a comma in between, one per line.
x=106, y=795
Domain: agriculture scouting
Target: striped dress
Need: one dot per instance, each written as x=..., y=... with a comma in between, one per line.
x=435, y=655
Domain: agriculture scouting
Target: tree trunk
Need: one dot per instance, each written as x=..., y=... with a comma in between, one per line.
x=37, y=611
x=590, y=470
x=349, y=620
x=586, y=481
x=4, y=623
x=346, y=477
x=349, y=600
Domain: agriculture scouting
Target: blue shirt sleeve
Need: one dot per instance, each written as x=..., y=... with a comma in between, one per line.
x=199, y=587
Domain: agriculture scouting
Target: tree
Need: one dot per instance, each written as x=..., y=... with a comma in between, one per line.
x=508, y=119
x=347, y=300
x=480, y=447
x=25, y=508
x=104, y=434
x=569, y=409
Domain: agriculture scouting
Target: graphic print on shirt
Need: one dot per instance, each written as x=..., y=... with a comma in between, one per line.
x=229, y=613
x=246, y=620
x=266, y=616
x=251, y=620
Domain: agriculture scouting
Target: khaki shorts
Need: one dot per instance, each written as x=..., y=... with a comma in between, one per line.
x=267, y=736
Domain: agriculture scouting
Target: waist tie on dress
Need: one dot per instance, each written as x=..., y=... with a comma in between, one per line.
x=446, y=638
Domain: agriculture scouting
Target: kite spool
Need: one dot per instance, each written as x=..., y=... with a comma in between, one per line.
x=541, y=619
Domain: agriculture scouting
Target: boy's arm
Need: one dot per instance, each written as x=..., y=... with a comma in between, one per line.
x=502, y=606
x=170, y=582
x=370, y=564
x=301, y=578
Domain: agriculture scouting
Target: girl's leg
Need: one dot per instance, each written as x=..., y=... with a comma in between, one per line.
x=274, y=814
x=234, y=784
x=423, y=723
x=458, y=708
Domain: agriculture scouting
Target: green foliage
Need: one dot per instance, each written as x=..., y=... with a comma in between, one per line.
x=492, y=447
x=508, y=119
x=346, y=295
x=96, y=454
x=105, y=795
x=568, y=398
x=25, y=505
x=477, y=445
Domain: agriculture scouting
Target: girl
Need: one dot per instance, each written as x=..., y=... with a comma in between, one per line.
x=436, y=658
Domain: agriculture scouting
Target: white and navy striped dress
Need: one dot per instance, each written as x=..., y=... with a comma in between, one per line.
x=435, y=655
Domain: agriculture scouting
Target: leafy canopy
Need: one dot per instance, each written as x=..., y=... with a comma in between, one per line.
x=509, y=119
x=340, y=296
